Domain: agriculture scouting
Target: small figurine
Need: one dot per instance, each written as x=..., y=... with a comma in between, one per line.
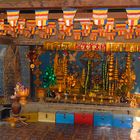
x=58, y=96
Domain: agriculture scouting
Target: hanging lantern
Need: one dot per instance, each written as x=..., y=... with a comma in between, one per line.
x=99, y=16
x=86, y=26
x=77, y=34
x=41, y=17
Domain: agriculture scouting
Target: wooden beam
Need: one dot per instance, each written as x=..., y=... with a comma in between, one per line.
x=6, y=40
x=52, y=4
x=116, y=15
x=38, y=41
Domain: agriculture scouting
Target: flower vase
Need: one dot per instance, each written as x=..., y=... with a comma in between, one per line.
x=23, y=96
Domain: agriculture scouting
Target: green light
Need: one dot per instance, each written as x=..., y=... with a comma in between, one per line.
x=49, y=77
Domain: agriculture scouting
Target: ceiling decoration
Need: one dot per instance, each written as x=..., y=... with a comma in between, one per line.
x=41, y=17
x=12, y=17
x=98, y=25
x=90, y=46
x=99, y=16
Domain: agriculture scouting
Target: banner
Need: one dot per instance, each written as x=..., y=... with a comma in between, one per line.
x=12, y=17
x=41, y=17
x=133, y=15
x=68, y=15
x=99, y=16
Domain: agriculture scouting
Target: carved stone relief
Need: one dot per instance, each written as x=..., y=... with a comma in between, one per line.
x=12, y=73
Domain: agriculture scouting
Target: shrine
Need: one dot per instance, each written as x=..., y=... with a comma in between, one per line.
x=72, y=63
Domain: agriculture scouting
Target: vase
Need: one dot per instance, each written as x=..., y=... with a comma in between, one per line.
x=23, y=96
x=16, y=107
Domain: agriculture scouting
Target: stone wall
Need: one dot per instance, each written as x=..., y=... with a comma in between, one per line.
x=24, y=65
x=15, y=69
x=2, y=53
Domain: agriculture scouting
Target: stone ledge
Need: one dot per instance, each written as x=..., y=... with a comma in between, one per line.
x=65, y=107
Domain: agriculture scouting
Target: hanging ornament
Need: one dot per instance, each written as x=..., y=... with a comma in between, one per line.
x=21, y=26
x=12, y=17
x=109, y=25
x=77, y=34
x=133, y=15
x=62, y=28
x=68, y=16
x=41, y=17
x=32, y=56
x=86, y=26
x=52, y=28
x=120, y=29
x=137, y=31
x=99, y=16
x=30, y=28
x=94, y=35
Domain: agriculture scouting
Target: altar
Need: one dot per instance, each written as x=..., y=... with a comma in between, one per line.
x=70, y=62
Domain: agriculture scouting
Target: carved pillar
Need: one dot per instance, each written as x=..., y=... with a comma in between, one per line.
x=11, y=69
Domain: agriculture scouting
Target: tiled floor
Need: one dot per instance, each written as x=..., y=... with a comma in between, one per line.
x=47, y=131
